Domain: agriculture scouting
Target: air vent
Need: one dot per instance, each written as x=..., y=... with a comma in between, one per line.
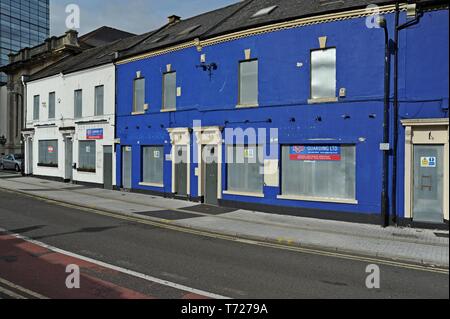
x=265, y=11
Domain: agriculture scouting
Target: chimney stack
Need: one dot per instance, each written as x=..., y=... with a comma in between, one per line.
x=174, y=19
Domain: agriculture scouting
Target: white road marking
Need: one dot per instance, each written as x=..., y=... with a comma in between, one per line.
x=19, y=288
x=119, y=269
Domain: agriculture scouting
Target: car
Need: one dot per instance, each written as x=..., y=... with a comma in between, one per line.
x=11, y=161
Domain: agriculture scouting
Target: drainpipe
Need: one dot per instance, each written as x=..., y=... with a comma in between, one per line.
x=381, y=21
x=398, y=28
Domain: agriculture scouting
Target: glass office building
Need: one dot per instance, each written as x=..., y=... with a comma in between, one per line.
x=23, y=23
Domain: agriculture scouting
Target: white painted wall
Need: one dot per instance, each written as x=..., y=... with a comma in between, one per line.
x=64, y=87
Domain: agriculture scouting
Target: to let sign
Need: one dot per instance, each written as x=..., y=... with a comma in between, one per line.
x=94, y=134
x=315, y=153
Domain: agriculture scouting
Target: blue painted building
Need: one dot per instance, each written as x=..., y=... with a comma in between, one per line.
x=306, y=85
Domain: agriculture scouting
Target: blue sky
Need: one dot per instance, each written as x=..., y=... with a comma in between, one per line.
x=137, y=16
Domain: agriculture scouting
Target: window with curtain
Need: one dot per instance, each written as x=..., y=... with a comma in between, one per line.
x=322, y=171
x=99, y=100
x=152, y=164
x=139, y=95
x=36, y=102
x=170, y=91
x=48, y=153
x=87, y=156
x=323, y=73
x=78, y=103
x=244, y=169
x=51, y=105
x=248, y=82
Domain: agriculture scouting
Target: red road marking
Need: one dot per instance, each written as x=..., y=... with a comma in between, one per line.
x=43, y=271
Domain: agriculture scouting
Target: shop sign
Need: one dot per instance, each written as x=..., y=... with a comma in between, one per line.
x=94, y=134
x=315, y=153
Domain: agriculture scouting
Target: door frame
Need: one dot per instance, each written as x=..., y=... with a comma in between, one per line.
x=112, y=165
x=122, y=167
x=211, y=135
x=181, y=137
x=425, y=132
x=28, y=138
x=67, y=137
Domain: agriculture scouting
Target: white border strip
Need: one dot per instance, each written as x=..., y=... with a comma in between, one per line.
x=117, y=268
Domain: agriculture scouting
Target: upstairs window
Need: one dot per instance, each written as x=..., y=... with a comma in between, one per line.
x=99, y=100
x=248, y=83
x=139, y=95
x=170, y=91
x=36, y=102
x=323, y=74
x=78, y=103
x=51, y=105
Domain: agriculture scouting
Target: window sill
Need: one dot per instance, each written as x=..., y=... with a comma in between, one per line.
x=259, y=195
x=81, y=170
x=48, y=165
x=168, y=110
x=323, y=100
x=246, y=106
x=138, y=113
x=318, y=199
x=151, y=185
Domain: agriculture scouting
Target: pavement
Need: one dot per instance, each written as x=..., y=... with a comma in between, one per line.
x=417, y=246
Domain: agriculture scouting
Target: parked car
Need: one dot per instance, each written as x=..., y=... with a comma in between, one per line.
x=11, y=161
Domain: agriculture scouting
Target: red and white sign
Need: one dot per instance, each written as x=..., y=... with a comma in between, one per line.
x=50, y=149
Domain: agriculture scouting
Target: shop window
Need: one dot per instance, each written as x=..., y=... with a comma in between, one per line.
x=139, y=95
x=170, y=91
x=323, y=74
x=99, y=100
x=48, y=153
x=87, y=156
x=248, y=83
x=152, y=164
x=244, y=169
x=319, y=171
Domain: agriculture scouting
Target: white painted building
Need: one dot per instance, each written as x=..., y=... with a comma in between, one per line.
x=70, y=126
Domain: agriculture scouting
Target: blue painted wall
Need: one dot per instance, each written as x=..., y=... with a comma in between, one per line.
x=283, y=93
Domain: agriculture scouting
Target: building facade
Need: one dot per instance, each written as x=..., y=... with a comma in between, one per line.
x=23, y=24
x=250, y=107
x=70, y=126
x=70, y=123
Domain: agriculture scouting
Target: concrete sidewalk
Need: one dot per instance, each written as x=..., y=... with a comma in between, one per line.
x=424, y=247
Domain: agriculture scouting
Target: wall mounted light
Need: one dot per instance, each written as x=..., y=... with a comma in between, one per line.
x=208, y=68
